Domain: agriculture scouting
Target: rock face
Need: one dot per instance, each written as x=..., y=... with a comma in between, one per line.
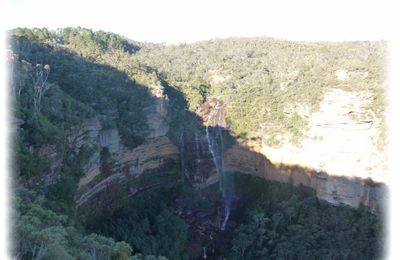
x=334, y=189
x=156, y=113
x=213, y=118
x=150, y=156
x=342, y=139
x=343, y=165
x=124, y=165
x=338, y=158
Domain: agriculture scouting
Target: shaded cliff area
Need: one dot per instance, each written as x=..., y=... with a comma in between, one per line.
x=112, y=161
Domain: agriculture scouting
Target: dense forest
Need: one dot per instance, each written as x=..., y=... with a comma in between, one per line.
x=62, y=79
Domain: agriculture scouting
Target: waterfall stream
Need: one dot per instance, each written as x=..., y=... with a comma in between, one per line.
x=216, y=146
x=197, y=146
x=182, y=156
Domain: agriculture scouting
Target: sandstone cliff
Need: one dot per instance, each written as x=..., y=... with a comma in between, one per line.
x=155, y=154
x=335, y=189
x=344, y=138
x=339, y=157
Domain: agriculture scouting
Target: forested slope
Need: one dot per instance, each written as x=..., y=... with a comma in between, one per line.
x=268, y=84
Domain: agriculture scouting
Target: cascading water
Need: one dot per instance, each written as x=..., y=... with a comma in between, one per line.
x=215, y=146
x=182, y=156
x=197, y=146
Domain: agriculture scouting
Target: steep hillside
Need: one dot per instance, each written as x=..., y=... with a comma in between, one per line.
x=77, y=122
x=270, y=86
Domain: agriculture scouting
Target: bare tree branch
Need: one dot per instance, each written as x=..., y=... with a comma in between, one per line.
x=39, y=78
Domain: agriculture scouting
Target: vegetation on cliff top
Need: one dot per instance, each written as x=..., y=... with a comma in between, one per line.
x=268, y=85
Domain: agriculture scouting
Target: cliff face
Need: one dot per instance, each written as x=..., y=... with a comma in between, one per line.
x=342, y=147
x=156, y=155
x=339, y=157
x=123, y=165
x=344, y=138
x=352, y=191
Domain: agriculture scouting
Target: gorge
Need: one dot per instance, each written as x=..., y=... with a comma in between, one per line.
x=199, y=151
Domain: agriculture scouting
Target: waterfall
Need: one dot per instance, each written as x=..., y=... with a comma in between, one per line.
x=213, y=144
x=216, y=146
x=196, y=141
x=210, y=145
x=227, y=213
x=204, y=253
x=182, y=156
